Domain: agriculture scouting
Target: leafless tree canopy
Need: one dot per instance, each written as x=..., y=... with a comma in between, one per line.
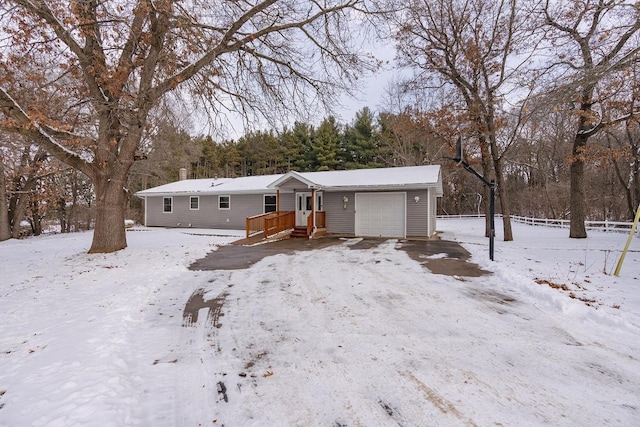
x=107, y=64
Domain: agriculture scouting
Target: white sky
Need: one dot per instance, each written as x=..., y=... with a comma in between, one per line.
x=372, y=95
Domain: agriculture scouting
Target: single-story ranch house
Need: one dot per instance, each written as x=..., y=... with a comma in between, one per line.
x=386, y=202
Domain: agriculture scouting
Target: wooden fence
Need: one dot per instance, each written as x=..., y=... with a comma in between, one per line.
x=621, y=226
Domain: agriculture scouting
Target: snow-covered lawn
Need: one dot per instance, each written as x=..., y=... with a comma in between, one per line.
x=334, y=337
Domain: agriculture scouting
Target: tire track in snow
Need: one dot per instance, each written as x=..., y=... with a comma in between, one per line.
x=438, y=401
x=198, y=387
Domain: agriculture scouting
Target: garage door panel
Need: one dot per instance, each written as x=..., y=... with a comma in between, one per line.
x=381, y=214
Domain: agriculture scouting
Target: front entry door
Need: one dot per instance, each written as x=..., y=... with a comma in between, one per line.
x=304, y=205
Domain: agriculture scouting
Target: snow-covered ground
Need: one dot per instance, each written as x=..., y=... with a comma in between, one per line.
x=334, y=337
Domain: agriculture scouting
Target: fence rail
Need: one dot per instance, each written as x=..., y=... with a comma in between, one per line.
x=281, y=221
x=619, y=226
x=321, y=219
x=270, y=223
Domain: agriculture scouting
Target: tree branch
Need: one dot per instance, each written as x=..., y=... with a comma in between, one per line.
x=44, y=135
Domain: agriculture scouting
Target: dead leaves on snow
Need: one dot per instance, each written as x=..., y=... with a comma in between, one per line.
x=563, y=287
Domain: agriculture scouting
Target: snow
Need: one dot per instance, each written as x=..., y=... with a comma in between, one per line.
x=186, y=186
x=336, y=336
x=384, y=177
x=404, y=177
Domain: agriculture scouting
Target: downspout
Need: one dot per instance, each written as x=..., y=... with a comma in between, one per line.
x=313, y=211
x=277, y=200
x=430, y=218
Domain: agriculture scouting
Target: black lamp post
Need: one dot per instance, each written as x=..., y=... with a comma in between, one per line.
x=459, y=159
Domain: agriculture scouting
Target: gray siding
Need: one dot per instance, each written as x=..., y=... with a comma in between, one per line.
x=287, y=201
x=339, y=219
x=417, y=213
x=342, y=221
x=294, y=184
x=208, y=216
x=420, y=222
x=433, y=200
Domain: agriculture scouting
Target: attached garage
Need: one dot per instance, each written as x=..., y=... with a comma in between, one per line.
x=381, y=214
x=397, y=202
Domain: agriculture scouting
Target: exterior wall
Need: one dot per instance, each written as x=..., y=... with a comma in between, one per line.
x=287, y=201
x=294, y=184
x=420, y=221
x=208, y=216
x=432, y=211
x=417, y=213
x=342, y=221
x=339, y=219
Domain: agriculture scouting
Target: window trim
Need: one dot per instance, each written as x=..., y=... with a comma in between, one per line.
x=264, y=203
x=220, y=199
x=164, y=210
x=197, y=198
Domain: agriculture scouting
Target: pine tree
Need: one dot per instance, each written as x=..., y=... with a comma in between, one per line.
x=326, y=143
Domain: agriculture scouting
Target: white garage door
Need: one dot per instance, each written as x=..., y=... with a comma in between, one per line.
x=380, y=214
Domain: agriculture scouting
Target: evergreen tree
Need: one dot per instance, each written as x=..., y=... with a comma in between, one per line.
x=326, y=143
x=303, y=134
x=360, y=147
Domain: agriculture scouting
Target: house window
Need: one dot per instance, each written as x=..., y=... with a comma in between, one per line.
x=224, y=202
x=194, y=203
x=270, y=203
x=167, y=204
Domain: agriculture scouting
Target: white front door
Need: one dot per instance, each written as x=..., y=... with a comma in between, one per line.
x=304, y=204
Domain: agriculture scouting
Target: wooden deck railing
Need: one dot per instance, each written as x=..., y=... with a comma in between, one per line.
x=320, y=222
x=276, y=223
x=321, y=219
x=309, y=225
x=270, y=223
x=254, y=224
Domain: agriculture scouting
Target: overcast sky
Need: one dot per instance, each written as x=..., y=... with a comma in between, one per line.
x=372, y=94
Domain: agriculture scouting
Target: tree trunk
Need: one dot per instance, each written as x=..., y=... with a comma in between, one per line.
x=36, y=219
x=504, y=202
x=486, y=173
x=499, y=174
x=578, y=200
x=109, y=233
x=635, y=178
x=5, y=229
x=20, y=206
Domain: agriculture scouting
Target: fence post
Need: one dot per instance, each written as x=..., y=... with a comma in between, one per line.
x=626, y=246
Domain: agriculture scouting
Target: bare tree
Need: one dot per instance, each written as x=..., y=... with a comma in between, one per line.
x=5, y=229
x=115, y=61
x=624, y=155
x=476, y=48
x=592, y=40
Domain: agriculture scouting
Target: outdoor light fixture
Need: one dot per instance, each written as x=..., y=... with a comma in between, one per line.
x=417, y=199
x=345, y=200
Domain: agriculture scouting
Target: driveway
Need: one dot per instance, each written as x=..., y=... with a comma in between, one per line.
x=438, y=256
